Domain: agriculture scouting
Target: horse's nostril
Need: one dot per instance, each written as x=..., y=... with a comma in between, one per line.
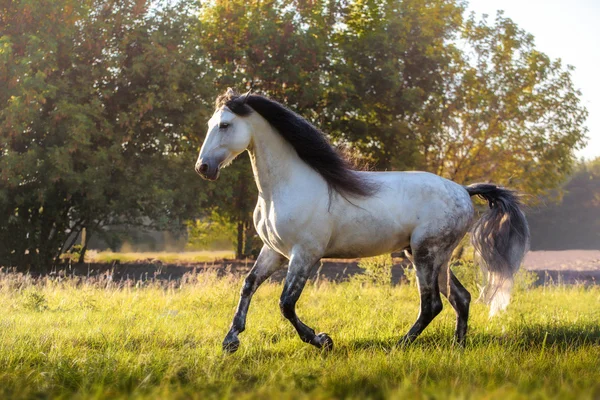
x=203, y=168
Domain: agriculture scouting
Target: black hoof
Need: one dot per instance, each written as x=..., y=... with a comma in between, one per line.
x=405, y=341
x=231, y=346
x=459, y=343
x=326, y=342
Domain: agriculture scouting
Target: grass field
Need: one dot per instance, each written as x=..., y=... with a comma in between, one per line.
x=162, y=256
x=90, y=339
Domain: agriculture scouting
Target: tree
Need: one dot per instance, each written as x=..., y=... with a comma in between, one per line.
x=508, y=114
x=97, y=102
x=390, y=63
x=405, y=85
x=103, y=104
x=277, y=47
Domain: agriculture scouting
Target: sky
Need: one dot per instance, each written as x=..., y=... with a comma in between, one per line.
x=565, y=29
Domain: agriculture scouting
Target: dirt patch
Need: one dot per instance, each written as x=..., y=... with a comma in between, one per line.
x=569, y=266
x=574, y=260
x=565, y=266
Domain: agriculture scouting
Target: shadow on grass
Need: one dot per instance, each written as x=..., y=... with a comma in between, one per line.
x=535, y=336
x=426, y=342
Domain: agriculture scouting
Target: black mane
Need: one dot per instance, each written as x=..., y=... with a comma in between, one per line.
x=309, y=142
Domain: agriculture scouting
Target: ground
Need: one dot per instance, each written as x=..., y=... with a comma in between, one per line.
x=78, y=334
x=71, y=338
x=568, y=266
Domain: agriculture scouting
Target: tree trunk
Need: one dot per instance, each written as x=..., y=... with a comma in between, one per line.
x=240, y=240
x=248, y=234
x=85, y=239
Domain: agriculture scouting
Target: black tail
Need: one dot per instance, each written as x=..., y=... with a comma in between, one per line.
x=501, y=239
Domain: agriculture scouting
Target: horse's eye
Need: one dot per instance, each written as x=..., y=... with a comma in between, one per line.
x=223, y=125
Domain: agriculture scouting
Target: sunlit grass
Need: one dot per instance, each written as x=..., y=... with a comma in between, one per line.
x=84, y=340
x=163, y=256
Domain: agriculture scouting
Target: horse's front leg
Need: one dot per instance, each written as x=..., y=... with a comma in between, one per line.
x=268, y=261
x=298, y=271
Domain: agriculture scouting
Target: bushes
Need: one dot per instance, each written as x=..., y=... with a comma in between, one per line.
x=378, y=271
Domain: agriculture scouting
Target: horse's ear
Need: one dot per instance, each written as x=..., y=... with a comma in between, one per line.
x=247, y=95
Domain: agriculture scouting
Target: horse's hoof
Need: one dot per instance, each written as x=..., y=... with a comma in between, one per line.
x=231, y=346
x=405, y=341
x=459, y=343
x=326, y=342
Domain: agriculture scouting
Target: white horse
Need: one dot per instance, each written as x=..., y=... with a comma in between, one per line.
x=312, y=205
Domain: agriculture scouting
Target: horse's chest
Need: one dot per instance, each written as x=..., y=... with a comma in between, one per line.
x=275, y=228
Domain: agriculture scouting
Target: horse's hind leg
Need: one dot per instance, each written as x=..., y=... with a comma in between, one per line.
x=299, y=269
x=268, y=261
x=459, y=298
x=427, y=262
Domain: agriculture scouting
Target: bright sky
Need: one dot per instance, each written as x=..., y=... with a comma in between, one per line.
x=566, y=29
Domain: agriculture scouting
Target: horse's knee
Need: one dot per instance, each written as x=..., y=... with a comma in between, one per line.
x=248, y=287
x=286, y=305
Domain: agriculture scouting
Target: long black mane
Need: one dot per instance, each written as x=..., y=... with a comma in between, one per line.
x=309, y=142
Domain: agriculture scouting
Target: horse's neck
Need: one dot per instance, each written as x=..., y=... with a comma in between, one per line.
x=274, y=160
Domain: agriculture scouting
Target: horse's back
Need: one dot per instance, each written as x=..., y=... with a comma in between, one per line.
x=407, y=204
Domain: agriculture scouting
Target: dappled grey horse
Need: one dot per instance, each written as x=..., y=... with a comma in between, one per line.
x=312, y=204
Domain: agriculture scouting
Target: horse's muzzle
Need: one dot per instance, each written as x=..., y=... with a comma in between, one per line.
x=206, y=171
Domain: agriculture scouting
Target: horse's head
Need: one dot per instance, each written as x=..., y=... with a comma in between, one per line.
x=228, y=135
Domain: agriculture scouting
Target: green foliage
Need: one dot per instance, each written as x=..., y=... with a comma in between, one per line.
x=165, y=342
x=97, y=102
x=103, y=105
x=73, y=254
x=179, y=258
x=377, y=270
x=471, y=277
x=212, y=233
x=34, y=300
x=510, y=115
x=388, y=68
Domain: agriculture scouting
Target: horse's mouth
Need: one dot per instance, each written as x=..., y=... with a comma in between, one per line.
x=208, y=173
x=213, y=177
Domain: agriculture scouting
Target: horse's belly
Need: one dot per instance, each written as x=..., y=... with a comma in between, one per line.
x=364, y=241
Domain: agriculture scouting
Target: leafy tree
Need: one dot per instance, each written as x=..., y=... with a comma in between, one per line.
x=103, y=104
x=391, y=62
x=406, y=85
x=97, y=101
x=213, y=232
x=277, y=47
x=508, y=114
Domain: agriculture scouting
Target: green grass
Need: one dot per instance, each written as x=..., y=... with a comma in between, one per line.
x=162, y=256
x=90, y=339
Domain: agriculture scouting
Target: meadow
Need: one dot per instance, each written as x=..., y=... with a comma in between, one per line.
x=94, y=338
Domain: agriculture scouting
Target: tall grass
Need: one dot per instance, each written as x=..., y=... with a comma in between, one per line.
x=90, y=339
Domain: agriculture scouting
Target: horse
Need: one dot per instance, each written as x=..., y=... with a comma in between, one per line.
x=313, y=204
